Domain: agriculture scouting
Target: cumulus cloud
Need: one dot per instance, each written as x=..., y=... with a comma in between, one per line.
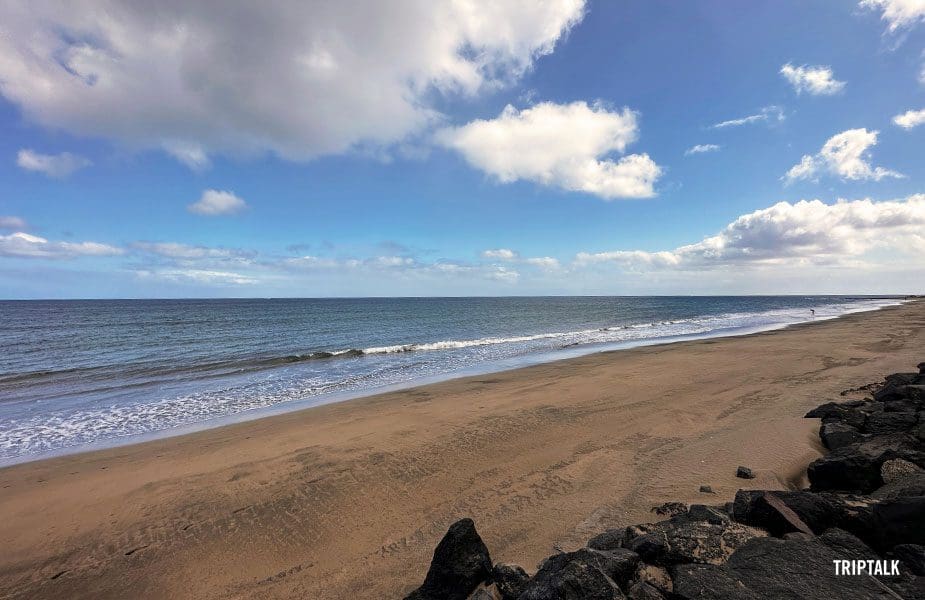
x=24, y=245
x=910, y=118
x=768, y=114
x=899, y=14
x=844, y=155
x=301, y=80
x=815, y=80
x=217, y=202
x=805, y=231
x=12, y=223
x=561, y=145
x=701, y=149
x=53, y=165
x=500, y=254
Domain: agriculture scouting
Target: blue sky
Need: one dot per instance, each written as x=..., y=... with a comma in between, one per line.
x=449, y=148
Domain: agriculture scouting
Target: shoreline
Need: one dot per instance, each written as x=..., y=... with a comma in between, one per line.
x=499, y=366
x=349, y=499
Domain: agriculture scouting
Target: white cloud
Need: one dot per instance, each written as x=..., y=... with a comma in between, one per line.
x=12, y=223
x=53, y=165
x=199, y=276
x=701, y=149
x=544, y=262
x=500, y=254
x=177, y=251
x=898, y=13
x=217, y=202
x=767, y=114
x=504, y=274
x=24, y=245
x=844, y=155
x=910, y=118
x=816, y=80
x=190, y=154
x=301, y=80
x=392, y=261
x=787, y=234
x=561, y=145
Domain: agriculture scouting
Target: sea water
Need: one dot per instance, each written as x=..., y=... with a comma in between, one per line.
x=82, y=374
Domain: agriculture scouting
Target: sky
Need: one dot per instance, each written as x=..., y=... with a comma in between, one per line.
x=461, y=147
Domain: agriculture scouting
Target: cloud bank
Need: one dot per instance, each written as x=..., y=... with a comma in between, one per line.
x=803, y=232
x=24, y=245
x=302, y=80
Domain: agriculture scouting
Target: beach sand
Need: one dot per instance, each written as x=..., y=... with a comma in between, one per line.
x=348, y=500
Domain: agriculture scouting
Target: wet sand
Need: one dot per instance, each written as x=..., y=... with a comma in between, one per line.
x=348, y=500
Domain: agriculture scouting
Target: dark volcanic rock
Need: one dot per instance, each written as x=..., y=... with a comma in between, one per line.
x=708, y=582
x=570, y=576
x=510, y=580
x=752, y=508
x=836, y=434
x=643, y=591
x=851, y=413
x=482, y=594
x=609, y=540
x=847, y=545
x=910, y=588
x=619, y=564
x=892, y=388
x=670, y=509
x=683, y=540
x=898, y=469
x=710, y=514
x=744, y=473
x=705, y=489
x=890, y=422
x=650, y=547
x=460, y=564
x=797, y=570
x=857, y=467
x=832, y=409
x=700, y=542
x=899, y=521
x=914, y=485
x=912, y=556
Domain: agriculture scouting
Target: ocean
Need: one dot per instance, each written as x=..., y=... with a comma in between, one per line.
x=80, y=374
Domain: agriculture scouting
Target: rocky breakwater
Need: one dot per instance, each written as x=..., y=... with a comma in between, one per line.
x=857, y=532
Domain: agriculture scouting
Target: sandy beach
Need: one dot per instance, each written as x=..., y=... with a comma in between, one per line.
x=348, y=500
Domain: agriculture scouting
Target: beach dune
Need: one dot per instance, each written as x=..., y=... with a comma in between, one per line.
x=348, y=500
